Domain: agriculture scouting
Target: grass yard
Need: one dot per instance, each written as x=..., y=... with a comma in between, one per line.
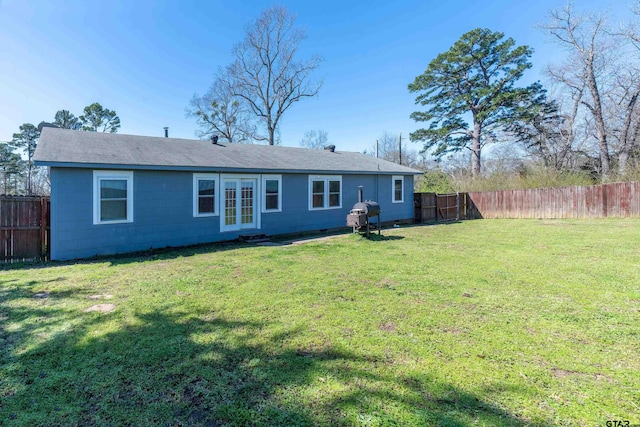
x=489, y=323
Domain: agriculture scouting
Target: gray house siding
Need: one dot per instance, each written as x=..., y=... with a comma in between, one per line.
x=163, y=212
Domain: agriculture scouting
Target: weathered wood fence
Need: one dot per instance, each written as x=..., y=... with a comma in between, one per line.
x=429, y=207
x=24, y=228
x=597, y=201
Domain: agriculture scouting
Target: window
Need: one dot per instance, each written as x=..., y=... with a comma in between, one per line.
x=204, y=194
x=318, y=194
x=271, y=193
x=325, y=192
x=112, y=197
x=398, y=189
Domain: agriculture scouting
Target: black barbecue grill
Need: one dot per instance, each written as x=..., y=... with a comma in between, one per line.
x=360, y=216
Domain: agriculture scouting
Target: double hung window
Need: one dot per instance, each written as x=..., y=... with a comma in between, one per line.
x=271, y=193
x=397, y=189
x=204, y=194
x=325, y=192
x=112, y=197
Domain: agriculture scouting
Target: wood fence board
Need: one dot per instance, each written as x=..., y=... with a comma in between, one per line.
x=597, y=201
x=24, y=228
x=431, y=207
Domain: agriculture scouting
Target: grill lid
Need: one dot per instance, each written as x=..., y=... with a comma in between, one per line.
x=368, y=207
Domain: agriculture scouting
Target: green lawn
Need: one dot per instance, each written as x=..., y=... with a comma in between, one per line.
x=489, y=322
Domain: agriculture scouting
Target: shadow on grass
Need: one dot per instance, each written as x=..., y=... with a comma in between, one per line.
x=178, y=368
x=167, y=253
x=382, y=237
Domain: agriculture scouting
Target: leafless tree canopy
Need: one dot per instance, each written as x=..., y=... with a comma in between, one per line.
x=266, y=73
x=315, y=139
x=585, y=73
x=389, y=149
x=599, y=85
x=219, y=112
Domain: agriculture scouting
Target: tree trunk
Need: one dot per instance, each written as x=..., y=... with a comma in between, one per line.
x=29, y=180
x=272, y=133
x=623, y=161
x=627, y=139
x=475, y=150
x=599, y=119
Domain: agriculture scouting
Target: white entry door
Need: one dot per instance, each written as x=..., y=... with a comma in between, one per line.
x=240, y=207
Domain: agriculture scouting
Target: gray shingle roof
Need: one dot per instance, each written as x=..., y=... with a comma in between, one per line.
x=70, y=148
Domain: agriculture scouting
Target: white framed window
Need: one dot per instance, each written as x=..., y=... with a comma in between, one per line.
x=397, y=188
x=271, y=193
x=325, y=192
x=205, y=192
x=112, y=197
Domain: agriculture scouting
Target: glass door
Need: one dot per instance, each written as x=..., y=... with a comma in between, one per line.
x=247, y=203
x=230, y=203
x=240, y=198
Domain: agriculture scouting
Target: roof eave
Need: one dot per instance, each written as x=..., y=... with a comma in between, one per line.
x=217, y=169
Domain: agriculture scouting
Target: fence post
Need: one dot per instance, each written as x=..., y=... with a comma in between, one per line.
x=43, y=228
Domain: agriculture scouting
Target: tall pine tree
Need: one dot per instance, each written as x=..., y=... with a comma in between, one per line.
x=470, y=92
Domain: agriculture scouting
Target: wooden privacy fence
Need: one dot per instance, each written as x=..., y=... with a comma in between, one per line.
x=597, y=201
x=24, y=228
x=431, y=207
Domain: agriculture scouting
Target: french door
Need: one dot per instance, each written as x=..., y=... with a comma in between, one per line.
x=240, y=204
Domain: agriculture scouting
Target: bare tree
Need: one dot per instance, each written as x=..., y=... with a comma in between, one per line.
x=41, y=181
x=623, y=115
x=548, y=131
x=219, y=112
x=592, y=50
x=315, y=139
x=627, y=80
x=389, y=149
x=266, y=73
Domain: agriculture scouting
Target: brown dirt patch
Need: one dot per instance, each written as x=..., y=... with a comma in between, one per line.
x=386, y=283
x=102, y=308
x=104, y=296
x=388, y=327
x=563, y=373
x=303, y=240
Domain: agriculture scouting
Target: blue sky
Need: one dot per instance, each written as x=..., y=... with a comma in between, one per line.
x=145, y=59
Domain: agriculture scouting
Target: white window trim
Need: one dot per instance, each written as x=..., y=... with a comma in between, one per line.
x=208, y=176
x=326, y=179
x=266, y=178
x=99, y=175
x=393, y=188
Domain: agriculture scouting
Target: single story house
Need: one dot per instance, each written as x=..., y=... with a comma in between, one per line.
x=113, y=193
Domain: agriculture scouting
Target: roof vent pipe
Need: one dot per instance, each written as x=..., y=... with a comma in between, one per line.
x=166, y=132
x=214, y=139
x=331, y=148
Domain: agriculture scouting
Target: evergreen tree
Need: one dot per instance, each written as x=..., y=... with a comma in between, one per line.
x=475, y=79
